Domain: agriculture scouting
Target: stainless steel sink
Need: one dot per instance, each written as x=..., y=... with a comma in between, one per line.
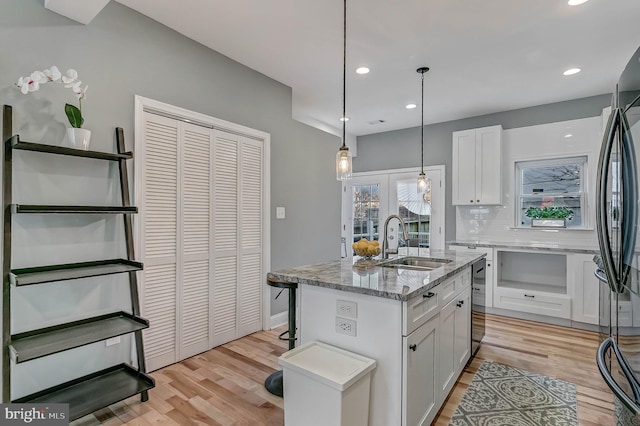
x=415, y=263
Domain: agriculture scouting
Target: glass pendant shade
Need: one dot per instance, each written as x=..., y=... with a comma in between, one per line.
x=343, y=164
x=422, y=183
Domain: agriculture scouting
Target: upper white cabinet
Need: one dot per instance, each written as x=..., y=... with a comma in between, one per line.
x=477, y=166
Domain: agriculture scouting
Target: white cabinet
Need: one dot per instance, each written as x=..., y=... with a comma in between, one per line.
x=455, y=340
x=482, y=294
x=477, y=166
x=420, y=402
x=586, y=293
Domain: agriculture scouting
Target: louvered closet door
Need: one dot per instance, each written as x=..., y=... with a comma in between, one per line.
x=250, y=235
x=193, y=277
x=160, y=230
x=225, y=237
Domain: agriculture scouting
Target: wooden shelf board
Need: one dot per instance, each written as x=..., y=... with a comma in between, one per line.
x=46, y=341
x=94, y=391
x=70, y=271
x=46, y=209
x=16, y=143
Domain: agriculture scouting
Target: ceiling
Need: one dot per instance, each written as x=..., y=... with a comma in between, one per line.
x=485, y=56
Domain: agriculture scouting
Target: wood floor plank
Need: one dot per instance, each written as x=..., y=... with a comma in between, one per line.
x=225, y=386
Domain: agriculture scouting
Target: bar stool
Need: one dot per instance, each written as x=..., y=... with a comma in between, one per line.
x=274, y=382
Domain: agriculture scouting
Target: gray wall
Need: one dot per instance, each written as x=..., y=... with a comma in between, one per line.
x=398, y=149
x=121, y=54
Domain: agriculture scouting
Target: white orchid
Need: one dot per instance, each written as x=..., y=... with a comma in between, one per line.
x=70, y=80
x=70, y=77
x=53, y=74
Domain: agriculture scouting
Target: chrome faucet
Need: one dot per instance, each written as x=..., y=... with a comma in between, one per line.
x=385, y=245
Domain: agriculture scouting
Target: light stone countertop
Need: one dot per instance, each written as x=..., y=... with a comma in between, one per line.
x=530, y=245
x=366, y=277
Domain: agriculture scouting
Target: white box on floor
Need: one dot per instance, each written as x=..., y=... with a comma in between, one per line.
x=325, y=386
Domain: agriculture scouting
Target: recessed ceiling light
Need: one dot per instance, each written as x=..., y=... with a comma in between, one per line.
x=410, y=106
x=576, y=2
x=572, y=71
x=362, y=70
x=344, y=118
x=568, y=135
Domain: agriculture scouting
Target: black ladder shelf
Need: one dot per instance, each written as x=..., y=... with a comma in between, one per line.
x=102, y=388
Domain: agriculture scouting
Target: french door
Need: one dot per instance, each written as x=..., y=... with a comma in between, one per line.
x=370, y=197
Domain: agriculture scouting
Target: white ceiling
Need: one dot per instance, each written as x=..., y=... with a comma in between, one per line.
x=485, y=56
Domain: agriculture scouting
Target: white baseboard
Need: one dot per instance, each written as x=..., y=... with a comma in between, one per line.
x=278, y=319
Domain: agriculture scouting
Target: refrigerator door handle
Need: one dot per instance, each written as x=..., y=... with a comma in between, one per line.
x=604, y=240
x=629, y=220
x=610, y=381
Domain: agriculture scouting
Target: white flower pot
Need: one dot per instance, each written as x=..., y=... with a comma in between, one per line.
x=79, y=138
x=549, y=223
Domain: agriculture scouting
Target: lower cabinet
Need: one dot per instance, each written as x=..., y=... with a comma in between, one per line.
x=455, y=340
x=435, y=354
x=420, y=402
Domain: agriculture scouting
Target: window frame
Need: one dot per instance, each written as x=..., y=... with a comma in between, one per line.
x=583, y=194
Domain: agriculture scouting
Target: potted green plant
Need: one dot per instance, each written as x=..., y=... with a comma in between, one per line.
x=549, y=217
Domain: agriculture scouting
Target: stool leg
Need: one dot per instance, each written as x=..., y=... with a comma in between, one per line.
x=292, y=318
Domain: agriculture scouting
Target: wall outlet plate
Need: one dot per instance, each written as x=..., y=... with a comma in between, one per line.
x=346, y=326
x=347, y=308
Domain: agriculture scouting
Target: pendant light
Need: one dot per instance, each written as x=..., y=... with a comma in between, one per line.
x=343, y=157
x=422, y=179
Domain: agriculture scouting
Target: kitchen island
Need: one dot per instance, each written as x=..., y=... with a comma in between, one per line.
x=415, y=323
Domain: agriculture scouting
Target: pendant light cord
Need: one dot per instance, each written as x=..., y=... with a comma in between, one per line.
x=344, y=76
x=422, y=129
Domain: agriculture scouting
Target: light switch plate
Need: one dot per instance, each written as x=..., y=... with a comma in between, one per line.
x=280, y=213
x=112, y=341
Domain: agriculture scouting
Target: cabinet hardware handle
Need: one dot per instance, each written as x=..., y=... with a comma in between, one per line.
x=413, y=347
x=479, y=270
x=428, y=295
x=471, y=201
x=488, y=264
x=477, y=201
x=529, y=295
x=476, y=288
x=459, y=305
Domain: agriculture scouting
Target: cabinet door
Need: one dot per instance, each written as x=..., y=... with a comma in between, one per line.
x=586, y=292
x=464, y=168
x=420, y=394
x=488, y=177
x=462, y=332
x=446, y=360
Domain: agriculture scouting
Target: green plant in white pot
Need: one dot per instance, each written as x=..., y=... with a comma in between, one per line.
x=555, y=217
x=78, y=137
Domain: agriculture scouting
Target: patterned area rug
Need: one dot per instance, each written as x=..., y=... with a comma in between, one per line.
x=504, y=396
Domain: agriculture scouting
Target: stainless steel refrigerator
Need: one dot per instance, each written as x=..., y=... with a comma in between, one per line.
x=617, y=211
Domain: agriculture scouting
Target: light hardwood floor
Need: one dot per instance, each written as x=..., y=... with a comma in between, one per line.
x=224, y=386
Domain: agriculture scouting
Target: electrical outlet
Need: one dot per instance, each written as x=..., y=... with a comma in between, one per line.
x=346, y=326
x=345, y=308
x=112, y=341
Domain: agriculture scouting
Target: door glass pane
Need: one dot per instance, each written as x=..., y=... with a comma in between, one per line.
x=415, y=210
x=366, y=204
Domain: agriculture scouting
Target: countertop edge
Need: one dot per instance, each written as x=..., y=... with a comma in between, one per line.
x=375, y=292
x=524, y=246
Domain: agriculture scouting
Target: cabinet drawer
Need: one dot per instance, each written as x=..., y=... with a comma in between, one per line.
x=533, y=302
x=418, y=310
x=453, y=286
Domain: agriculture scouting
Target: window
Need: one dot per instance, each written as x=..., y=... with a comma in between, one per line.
x=559, y=182
x=415, y=209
